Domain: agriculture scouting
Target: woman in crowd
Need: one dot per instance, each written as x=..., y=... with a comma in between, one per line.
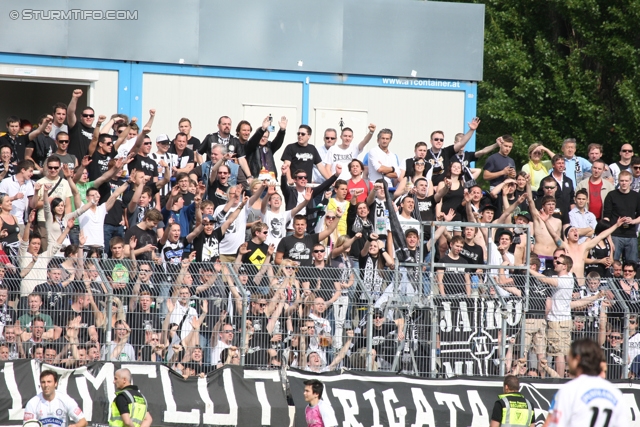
x=406, y=183
x=600, y=257
x=453, y=198
x=285, y=279
x=537, y=169
x=9, y=230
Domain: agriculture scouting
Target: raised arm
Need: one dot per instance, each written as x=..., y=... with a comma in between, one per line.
x=486, y=150
x=332, y=227
x=123, y=136
x=140, y=139
x=234, y=215
x=512, y=207
x=473, y=125
x=33, y=135
x=71, y=108
x=308, y=196
x=112, y=199
x=590, y=244
x=96, y=134
x=371, y=128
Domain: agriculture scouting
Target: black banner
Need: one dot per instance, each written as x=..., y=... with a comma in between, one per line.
x=371, y=399
x=230, y=396
x=469, y=331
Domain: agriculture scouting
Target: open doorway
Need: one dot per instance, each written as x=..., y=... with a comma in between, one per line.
x=29, y=100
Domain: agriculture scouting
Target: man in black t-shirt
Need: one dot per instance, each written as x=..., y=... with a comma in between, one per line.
x=303, y=156
x=385, y=337
x=145, y=234
x=185, y=161
x=207, y=243
x=101, y=156
x=470, y=250
x=454, y=280
x=42, y=146
x=298, y=246
x=80, y=131
x=142, y=161
x=218, y=189
x=142, y=318
x=256, y=252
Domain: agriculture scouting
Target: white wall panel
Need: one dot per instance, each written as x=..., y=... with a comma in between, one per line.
x=412, y=114
x=204, y=99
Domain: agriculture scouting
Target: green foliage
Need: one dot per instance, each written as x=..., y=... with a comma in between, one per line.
x=561, y=68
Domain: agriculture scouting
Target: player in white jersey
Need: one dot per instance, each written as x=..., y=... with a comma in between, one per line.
x=51, y=408
x=588, y=400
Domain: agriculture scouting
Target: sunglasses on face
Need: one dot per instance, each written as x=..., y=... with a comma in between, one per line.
x=626, y=151
x=301, y=177
x=318, y=251
x=301, y=134
x=88, y=115
x=146, y=143
x=616, y=337
x=330, y=217
x=629, y=271
x=53, y=168
x=63, y=141
x=328, y=137
x=558, y=262
x=439, y=139
x=549, y=188
x=289, y=268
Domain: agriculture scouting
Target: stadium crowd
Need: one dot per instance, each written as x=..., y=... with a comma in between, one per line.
x=181, y=235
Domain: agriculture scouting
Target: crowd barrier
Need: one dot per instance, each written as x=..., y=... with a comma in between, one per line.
x=369, y=319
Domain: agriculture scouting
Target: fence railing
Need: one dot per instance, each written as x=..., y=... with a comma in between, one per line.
x=490, y=320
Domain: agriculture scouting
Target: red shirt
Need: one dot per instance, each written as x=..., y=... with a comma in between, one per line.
x=595, y=199
x=361, y=184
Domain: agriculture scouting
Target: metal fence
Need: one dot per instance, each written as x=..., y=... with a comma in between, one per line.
x=491, y=319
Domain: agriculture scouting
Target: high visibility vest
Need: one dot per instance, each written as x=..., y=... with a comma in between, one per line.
x=515, y=413
x=137, y=409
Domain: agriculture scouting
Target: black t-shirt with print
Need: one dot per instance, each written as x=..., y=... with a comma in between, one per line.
x=208, y=247
x=218, y=194
x=299, y=250
x=144, y=238
x=99, y=165
x=454, y=280
x=302, y=158
x=79, y=139
x=145, y=164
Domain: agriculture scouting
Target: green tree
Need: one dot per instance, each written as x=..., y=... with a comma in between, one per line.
x=561, y=68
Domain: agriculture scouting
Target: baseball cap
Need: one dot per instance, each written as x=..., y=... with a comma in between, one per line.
x=411, y=230
x=488, y=206
x=163, y=138
x=502, y=231
x=207, y=217
x=243, y=271
x=526, y=215
x=377, y=313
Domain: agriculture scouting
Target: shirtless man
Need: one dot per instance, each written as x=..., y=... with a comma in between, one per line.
x=577, y=251
x=543, y=220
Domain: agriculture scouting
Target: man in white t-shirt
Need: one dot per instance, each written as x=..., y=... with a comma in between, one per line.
x=235, y=234
x=92, y=221
x=20, y=188
x=382, y=162
x=559, y=321
x=224, y=340
x=345, y=152
x=270, y=213
x=318, y=413
x=330, y=138
x=589, y=399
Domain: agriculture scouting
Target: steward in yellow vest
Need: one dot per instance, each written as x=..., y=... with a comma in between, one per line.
x=512, y=409
x=129, y=408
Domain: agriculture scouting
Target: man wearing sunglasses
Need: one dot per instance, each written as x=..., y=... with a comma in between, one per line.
x=303, y=156
x=559, y=318
x=80, y=131
x=626, y=153
x=439, y=157
x=62, y=151
x=59, y=188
